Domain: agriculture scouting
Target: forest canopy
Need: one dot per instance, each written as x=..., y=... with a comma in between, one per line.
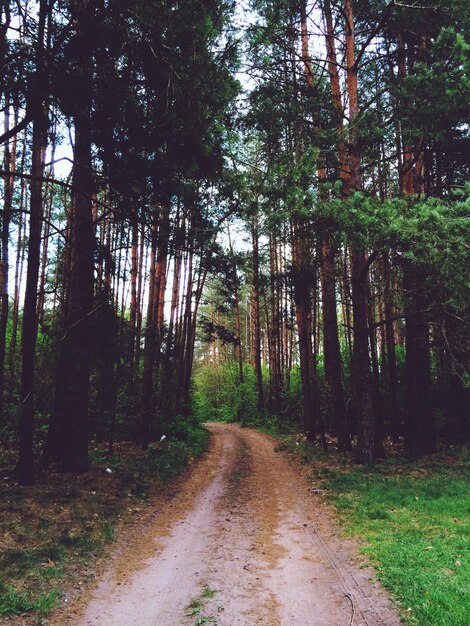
x=253, y=211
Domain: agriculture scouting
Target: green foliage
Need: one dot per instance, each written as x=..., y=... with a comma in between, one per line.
x=170, y=458
x=219, y=396
x=189, y=431
x=430, y=234
x=208, y=592
x=438, y=90
x=246, y=402
x=292, y=399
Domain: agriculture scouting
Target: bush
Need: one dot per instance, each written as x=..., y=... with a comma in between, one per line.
x=190, y=432
x=218, y=395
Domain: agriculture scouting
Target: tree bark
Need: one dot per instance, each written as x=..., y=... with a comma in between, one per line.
x=391, y=361
x=134, y=272
x=419, y=424
x=332, y=353
x=143, y=251
x=238, y=333
x=30, y=321
x=255, y=314
x=10, y=166
x=361, y=376
x=274, y=374
x=419, y=419
x=150, y=343
x=301, y=279
x=45, y=245
x=70, y=423
x=379, y=431
x=20, y=251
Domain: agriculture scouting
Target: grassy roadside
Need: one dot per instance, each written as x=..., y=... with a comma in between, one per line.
x=414, y=520
x=51, y=533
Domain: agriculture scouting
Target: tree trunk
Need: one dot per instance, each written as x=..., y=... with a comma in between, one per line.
x=301, y=279
x=275, y=385
x=18, y=275
x=360, y=372
x=167, y=400
x=238, y=333
x=391, y=361
x=134, y=271
x=419, y=419
x=161, y=272
x=10, y=166
x=332, y=353
x=70, y=439
x=377, y=408
x=160, y=288
x=419, y=424
x=140, y=296
x=336, y=93
x=76, y=344
x=150, y=344
x=45, y=246
x=191, y=334
x=361, y=377
x=255, y=315
x=30, y=321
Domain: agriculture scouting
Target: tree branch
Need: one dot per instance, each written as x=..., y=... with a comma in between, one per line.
x=17, y=129
x=386, y=14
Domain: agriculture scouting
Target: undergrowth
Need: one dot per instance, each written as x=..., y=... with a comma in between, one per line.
x=414, y=520
x=50, y=533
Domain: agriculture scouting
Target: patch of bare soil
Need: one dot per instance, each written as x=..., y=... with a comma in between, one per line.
x=244, y=542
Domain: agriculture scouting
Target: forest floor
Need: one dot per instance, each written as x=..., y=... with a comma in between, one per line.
x=247, y=539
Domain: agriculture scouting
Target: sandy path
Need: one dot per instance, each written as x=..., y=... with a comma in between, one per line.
x=246, y=526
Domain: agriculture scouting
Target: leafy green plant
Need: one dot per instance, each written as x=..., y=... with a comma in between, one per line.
x=208, y=593
x=196, y=605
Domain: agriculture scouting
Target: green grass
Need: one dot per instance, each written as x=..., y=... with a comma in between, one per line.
x=14, y=602
x=208, y=593
x=414, y=518
x=194, y=607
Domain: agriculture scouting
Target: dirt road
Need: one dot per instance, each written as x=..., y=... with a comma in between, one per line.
x=245, y=542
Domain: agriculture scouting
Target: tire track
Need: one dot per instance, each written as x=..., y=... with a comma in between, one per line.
x=246, y=528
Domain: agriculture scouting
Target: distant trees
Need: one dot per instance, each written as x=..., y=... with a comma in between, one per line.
x=345, y=166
